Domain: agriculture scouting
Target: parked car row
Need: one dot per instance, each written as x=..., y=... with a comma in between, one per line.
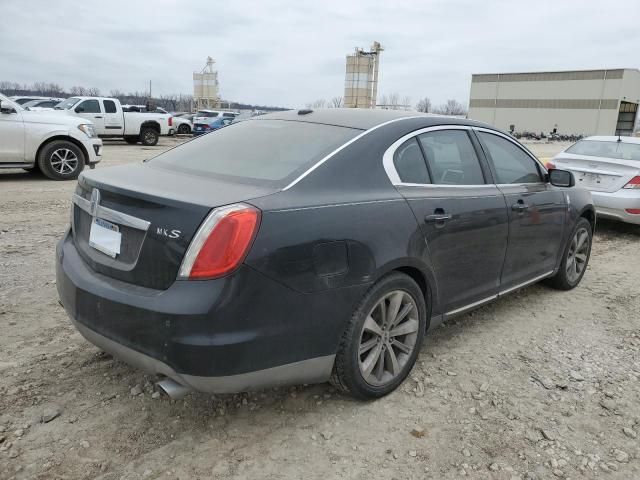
x=58, y=145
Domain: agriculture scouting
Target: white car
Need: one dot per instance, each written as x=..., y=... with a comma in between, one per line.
x=42, y=104
x=182, y=125
x=112, y=122
x=21, y=100
x=203, y=115
x=58, y=145
x=610, y=168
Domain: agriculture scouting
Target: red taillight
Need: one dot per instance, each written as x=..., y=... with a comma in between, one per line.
x=633, y=211
x=171, y=121
x=221, y=243
x=633, y=183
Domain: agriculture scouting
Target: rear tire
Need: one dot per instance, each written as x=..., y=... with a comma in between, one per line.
x=382, y=340
x=184, y=129
x=132, y=140
x=61, y=160
x=149, y=137
x=575, y=258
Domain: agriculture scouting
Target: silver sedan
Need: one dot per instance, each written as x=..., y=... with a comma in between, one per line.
x=610, y=168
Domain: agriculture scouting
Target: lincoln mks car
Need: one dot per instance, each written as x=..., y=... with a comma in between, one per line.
x=309, y=246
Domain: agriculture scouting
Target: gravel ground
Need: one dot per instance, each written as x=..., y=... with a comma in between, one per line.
x=541, y=384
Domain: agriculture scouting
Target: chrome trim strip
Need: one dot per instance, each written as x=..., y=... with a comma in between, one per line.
x=342, y=147
x=524, y=284
x=111, y=215
x=471, y=305
x=503, y=292
x=314, y=207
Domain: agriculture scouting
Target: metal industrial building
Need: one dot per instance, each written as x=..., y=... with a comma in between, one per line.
x=361, y=79
x=588, y=102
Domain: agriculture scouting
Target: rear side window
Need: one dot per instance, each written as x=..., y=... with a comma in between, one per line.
x=511, y=163
x=110, y=106
x=451, y=157
x=228, y=115
x=90, y=106
x=257, y=151
x=409, y=163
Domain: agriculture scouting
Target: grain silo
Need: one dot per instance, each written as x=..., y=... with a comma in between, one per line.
x=361, y=80
x=205, y=86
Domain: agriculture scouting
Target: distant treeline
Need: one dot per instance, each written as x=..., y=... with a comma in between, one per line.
x=171, y=103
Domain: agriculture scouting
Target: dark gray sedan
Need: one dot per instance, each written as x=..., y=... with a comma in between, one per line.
x=308, y=246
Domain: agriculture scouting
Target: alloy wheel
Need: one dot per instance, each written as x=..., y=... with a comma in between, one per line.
x=388, y=338
x=149, y=137
x=577, y=255
x=64, y=161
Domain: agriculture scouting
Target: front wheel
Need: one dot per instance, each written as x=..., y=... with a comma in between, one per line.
x=382, y=340
x=61, y=160
x=576, y=257
x=149, y=137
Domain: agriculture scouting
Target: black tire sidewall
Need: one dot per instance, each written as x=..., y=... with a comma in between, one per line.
x=562, y=279
x=349, y=361
x=184, y=129
x=44, y=160
x=143, y=139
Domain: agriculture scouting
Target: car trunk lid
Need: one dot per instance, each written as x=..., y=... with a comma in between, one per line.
x=154, y=213
x=596, y=173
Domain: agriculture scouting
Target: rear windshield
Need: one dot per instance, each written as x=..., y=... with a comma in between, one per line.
x=206, y=114
x=257, y=151
x=598, y=148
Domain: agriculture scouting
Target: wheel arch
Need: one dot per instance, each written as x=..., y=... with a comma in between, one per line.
x=76, y=142
x=589, y=213
x=422, y=276
x=150, y=124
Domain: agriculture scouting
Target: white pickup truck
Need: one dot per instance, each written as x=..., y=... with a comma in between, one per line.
x=58, y=145
x=111, y=122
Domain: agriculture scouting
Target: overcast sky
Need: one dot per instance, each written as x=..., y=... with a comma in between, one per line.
x=292, y=52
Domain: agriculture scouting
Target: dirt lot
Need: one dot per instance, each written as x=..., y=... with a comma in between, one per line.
x=541, y=384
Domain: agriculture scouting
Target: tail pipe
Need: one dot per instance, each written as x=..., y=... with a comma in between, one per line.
x=172, y=388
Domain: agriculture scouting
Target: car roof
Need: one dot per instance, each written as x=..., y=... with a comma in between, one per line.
x=612, y=138
x=363, y=118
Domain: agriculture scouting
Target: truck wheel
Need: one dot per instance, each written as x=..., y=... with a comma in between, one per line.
x=131, y=140
x=149, y=137
x=61, y=160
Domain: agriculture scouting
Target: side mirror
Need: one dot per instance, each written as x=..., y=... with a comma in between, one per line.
x=79, y=109
x=6, y=107
x=561, y=178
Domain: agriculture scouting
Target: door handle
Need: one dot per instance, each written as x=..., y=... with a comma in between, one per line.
x=439, y=217
x=97, y=116
x=520, y=206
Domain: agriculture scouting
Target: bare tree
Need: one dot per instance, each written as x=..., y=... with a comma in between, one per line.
x=336, y=102
x=320, y=103
x=394, y=101
x=452, y=107
x=424, y=105
x=78, y=91
x=384, y=102
x=406, y=103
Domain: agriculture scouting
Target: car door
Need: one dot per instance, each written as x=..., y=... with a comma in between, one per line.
x=536, y=210
x=11, y=135
x=90, y=109
x=113, y=119
x=461, y=213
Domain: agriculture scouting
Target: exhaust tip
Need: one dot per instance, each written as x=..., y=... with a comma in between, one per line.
x=173, y=389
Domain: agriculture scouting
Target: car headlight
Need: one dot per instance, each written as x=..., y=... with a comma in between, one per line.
x=88, y=130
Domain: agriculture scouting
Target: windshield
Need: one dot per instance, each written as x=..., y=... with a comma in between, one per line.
x=257, y=151
x=206, y=114
x=598, y=148
x=67, y=104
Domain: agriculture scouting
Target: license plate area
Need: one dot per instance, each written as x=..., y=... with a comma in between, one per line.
x=105, y=237
x=594, y=180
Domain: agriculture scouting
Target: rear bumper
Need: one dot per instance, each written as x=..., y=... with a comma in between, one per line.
x=241, y=332
x=614, y=205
